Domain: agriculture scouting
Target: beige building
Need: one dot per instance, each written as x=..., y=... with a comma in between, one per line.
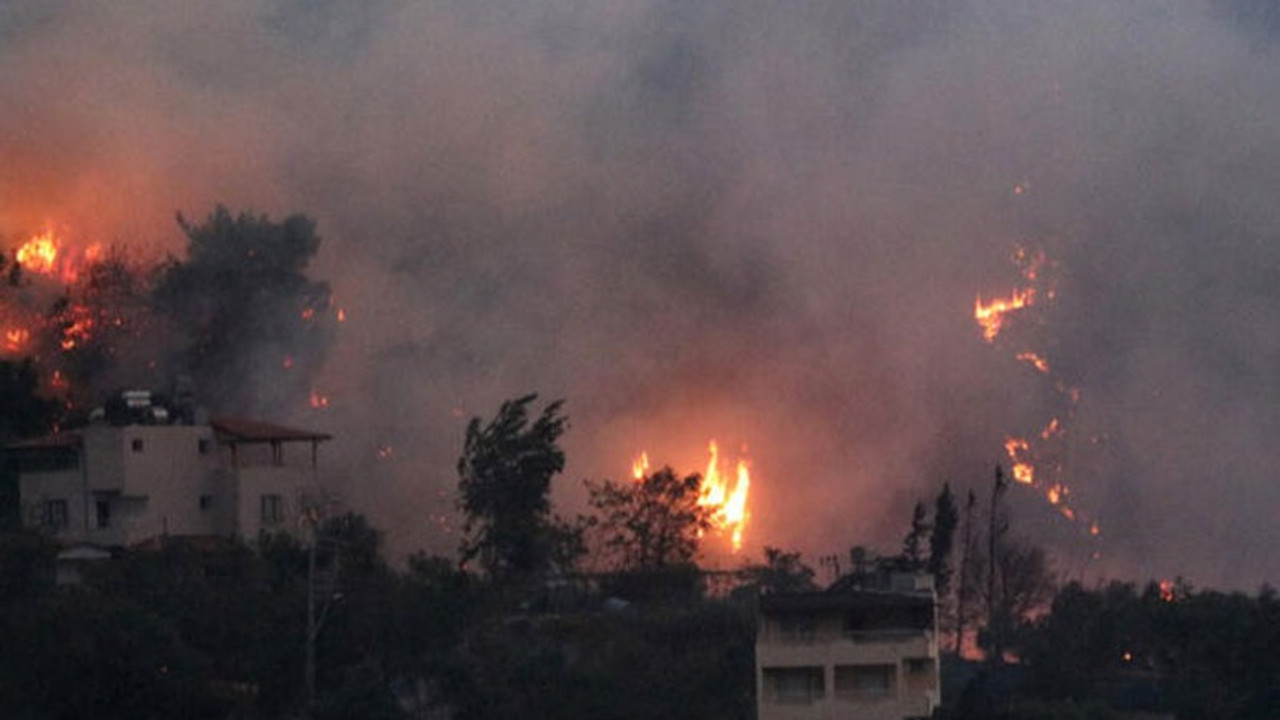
x=856, y=653
x=118, y=485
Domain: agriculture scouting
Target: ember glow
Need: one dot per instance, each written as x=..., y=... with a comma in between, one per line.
x=1035, y=361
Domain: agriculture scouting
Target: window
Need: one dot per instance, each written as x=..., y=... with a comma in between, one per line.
x=53, y=514
x=102, y=514
x=203, y=445
x=137, y=444
x=864, y=682
x=206, y=502
x=272, y=510
x=793, y=685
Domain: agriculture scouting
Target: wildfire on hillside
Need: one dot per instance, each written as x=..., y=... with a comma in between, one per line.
x=1036, y=460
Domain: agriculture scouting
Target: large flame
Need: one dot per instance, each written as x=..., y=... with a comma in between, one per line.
x=44, y=254
x=39, y=254
x=724, y=495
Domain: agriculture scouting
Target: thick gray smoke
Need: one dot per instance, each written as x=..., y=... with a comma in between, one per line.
x=760, y=222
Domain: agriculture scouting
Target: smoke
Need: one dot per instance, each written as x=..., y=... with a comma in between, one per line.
x=756, y=222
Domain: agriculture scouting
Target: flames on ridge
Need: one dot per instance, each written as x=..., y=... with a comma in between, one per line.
x=721, y=492
x=1036, y=459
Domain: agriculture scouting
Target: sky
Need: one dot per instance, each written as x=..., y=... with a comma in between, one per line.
x=757, y=222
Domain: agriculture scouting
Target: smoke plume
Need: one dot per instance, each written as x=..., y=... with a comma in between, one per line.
x=763, y=223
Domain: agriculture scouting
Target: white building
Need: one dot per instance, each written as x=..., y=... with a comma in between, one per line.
x=848, y=653
x=109, y=485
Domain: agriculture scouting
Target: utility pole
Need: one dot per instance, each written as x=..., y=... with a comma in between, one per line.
x=312, y=631
x=996, y=619
x=316, y=616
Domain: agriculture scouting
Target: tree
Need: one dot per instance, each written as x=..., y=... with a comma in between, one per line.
x=782, y=572
x=968, y=573
x=941, y=538
x=257, y=327
x=23, y=414
x=650, y=524
x=997, y=526
x=504, y=479
x=911, y=545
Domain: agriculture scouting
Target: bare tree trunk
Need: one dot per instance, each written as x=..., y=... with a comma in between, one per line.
x=996, y=529
x=963, y=588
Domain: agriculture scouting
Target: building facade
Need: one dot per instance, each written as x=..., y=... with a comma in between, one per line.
x=118, y=485
x=848, y=653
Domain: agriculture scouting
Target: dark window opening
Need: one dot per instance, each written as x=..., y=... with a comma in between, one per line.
x=206, y=502
x=102, y=514
x=272, y=510
x=203, y=444
x=137, y=444
x=53, y=514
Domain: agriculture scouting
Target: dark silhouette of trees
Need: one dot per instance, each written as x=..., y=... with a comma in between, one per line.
x=781, y=572
x=913, y=544
x=650, y=524
x=504, y=479
x=941, y=540
x=256, y=326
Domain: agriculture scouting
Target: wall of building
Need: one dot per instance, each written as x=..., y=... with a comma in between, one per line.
x=813, y=669
x=136, y=482
x=290, y=486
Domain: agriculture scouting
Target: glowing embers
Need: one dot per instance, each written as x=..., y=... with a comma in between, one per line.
x=724, y=494
x=16, y=340
x=1019, y=452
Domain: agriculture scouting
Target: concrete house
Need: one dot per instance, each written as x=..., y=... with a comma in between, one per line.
x=119, y=484
x=868, y=654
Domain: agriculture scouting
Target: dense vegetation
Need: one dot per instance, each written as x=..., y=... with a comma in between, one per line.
x=219, y=628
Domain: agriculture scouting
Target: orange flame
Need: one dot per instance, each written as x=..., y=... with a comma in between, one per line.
x=1018, y=449
x=728, y=505
x=1035, y=360
x=990, y=316
x=1167, y=593
x=640, y=467
x=319, y=401
x=43, y=254
x=16, y=339
x=726, y=498
x=78, y=331
x=39, y=254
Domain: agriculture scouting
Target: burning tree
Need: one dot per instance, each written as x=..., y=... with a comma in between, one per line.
x=238, y=317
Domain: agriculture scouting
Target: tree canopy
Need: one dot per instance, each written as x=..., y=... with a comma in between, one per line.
x=257, y=327
x=652, y=523
x=504, y=478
